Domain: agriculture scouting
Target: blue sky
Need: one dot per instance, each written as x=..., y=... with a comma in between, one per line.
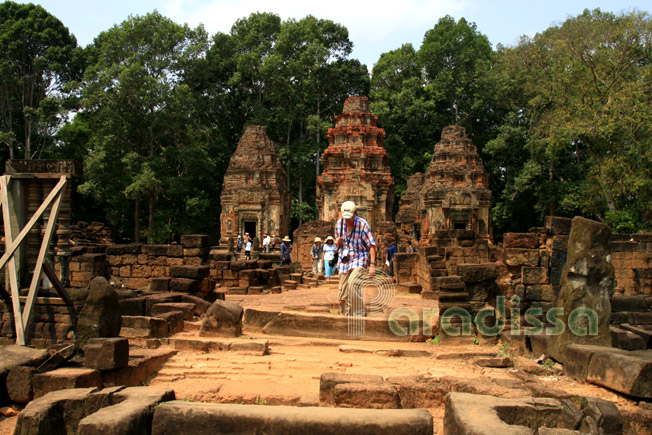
x=374, y=27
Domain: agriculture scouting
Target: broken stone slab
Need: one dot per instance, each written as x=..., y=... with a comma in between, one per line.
x=143, y=327
x=187, y=308
x=406, y=353
x=143, y=363
x=65, y=378
x=257, y=319
x=223, y=319
x=100, y=316
x=174, y=320
x=626, y=340
x=20, y=384
x=645, y=334
x=13, y=355
x=107, y=353
x=587, y=284
x=578, y=357
x=478, y=414
x=353, y=349
x=181, y=418
x=59, y=411
x=629, y=373
x=372, y=396
x=328, y=382
x=132, y=415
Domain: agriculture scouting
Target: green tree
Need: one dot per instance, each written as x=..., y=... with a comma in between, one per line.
x=138, y=108
x=455, y=56
x=582, y=113
x=38, y=56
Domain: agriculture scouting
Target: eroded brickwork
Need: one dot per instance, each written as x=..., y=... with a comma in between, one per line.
x=356, y=166
x=453, y=194
x=255, y=196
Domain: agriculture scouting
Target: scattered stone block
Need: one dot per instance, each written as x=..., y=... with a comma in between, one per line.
x=132, y=306
x=45, y=415
x=20, y=384
x=223, y=318
x=185, y=285
x=187, y=308
x=629, y=373
x=13, y=355
x=65, y=378
x=107, y=353
x=328, y=382
x=100, y=315
x=419, y=392
x=409, y=287
x=160, y=284
x=132, y=415
x=143, y=326
x=174, y=320
x=627, y=340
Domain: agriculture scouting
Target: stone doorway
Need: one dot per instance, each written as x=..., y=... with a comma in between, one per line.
x=250, y=227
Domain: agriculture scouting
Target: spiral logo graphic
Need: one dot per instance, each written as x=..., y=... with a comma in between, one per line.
x=369, y=295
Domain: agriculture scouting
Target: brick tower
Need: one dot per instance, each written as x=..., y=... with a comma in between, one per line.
x=255, y=195
x=356, y=166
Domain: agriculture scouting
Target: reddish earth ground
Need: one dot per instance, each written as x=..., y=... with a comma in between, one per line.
x=290, y=373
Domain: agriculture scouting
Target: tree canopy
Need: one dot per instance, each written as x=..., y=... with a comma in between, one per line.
x=155, y=110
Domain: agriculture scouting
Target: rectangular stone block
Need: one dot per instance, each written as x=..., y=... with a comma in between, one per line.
x=191, y=272
x=143, y=326
x=132, y=306
x=64, y=379
x=521, y=240
x=534, y=275
x=194, y=241
x=174, y=320
x=521, y=257
x=165, y=307
x=107, y=353
x=629, y=373
x=409, y=287
x=185, y=285
x=195, y=252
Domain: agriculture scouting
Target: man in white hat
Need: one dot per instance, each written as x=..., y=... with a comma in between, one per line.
x=357, y=247
x=315, y=252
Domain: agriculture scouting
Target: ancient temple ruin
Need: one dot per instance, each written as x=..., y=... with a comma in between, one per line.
x=356, y=166
x=453, y=194
x=255, y=196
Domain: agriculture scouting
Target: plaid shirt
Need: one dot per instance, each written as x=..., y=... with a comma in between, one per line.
x=356, y=244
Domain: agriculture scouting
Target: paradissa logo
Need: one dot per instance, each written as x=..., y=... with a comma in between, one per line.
x=456, y=321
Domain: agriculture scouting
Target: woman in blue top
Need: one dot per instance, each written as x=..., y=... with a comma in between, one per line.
x=329, y=253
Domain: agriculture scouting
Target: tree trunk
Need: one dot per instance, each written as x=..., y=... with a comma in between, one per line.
x=137, y=220
x=551, y=173
x=151, y=218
